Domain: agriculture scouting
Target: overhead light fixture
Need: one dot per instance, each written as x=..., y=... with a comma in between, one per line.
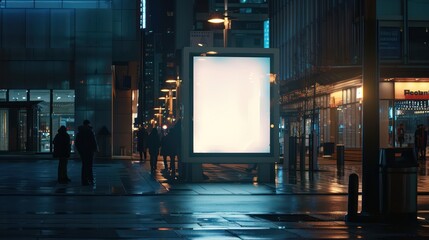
x=216, y=17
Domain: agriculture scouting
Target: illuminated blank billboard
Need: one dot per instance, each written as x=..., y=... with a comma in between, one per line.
x=231, y=104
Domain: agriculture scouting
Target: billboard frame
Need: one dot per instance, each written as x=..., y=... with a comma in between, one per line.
x=186, y=93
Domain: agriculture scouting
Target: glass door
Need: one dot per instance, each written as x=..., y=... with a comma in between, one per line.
x=4, y=130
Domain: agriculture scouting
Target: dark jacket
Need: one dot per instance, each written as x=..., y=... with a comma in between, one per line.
x=61, y=143
x=153, y=141
x=166, y=145
x=85, y=140
x=141, y=140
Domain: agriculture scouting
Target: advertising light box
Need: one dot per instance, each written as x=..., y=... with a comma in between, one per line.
x=230, y=104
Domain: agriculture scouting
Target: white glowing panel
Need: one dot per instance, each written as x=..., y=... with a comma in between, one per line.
x=231, y=105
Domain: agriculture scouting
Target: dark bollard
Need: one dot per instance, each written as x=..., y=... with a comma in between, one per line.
x=340, y=157
x=302, y=155
x=352, y=207
x=292, y=153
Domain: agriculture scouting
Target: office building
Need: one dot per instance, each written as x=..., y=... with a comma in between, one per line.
x=321, y=48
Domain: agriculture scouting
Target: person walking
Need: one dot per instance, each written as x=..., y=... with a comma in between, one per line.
x=62, y=150
x=153, y=144
x=86, y=145
x=141, y=143
x=173, y=149
x=165, y=149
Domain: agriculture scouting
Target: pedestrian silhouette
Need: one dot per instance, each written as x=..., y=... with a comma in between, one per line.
x=400, y=132
x=173, y=143
x=62, y=150
x=141, y=143
x=165, y=149
x=177, y=139
x=420, y=139
x=86, y=145
x=153, y=144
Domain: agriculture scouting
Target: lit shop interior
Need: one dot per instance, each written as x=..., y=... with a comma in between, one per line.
x=29, y=119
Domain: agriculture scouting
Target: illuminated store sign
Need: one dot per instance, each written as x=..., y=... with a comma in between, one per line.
x=412, y=90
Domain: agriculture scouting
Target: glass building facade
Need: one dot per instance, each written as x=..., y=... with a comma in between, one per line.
x=321, y=52
x=57, y=64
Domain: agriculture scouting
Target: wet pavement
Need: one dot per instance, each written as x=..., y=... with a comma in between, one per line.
x=128, y=202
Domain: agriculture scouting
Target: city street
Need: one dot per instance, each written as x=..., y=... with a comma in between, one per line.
x=126, y=202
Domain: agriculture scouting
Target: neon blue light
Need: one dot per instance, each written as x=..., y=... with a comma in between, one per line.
x=142, y=14
x=267, y=34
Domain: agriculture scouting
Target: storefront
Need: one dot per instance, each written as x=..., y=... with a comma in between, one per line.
x=405, y=102
x=29, y=119
x=411, y=108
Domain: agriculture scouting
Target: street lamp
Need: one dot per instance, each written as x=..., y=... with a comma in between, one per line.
x=159, y=114
x=168, y=99
x=176, y=83
x=219, y=18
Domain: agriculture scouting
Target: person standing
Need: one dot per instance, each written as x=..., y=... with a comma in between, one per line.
x=86, y=145
x=62, y=150
x=153, y=145
x=420, y=138
x=141, y=143
x=400, y=132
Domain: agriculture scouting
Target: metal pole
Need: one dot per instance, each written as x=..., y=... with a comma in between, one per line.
x=226, y=25
x=370, y=113
x=142, y=94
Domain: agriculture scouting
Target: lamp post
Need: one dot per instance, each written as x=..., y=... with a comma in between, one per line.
x=217, y=18
x=169, y=99
x=176, y=83
x=159, y=114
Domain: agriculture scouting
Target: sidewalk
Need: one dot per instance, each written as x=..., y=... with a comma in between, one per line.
x=127, y=202
x=38, y=174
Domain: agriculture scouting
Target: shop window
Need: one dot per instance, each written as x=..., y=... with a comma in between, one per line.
x=63, y=111
x=43, y=116
x=4, y=130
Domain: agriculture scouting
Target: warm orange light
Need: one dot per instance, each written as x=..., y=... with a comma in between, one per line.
x=216, y=18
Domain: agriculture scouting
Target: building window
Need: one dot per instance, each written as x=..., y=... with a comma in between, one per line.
x=3, y=95
x=419, y=43
x=18, y=95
